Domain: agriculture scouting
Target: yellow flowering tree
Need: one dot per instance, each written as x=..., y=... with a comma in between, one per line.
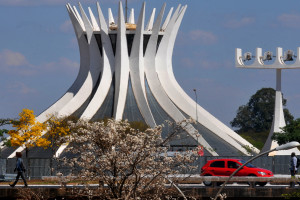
x=28, y=131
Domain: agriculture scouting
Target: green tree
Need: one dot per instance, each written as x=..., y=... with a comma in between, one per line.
x=257, y=114
x=4, y=131
x=290, y=132
x=4, y=122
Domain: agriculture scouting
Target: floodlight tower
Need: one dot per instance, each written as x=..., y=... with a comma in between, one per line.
x=278, y=65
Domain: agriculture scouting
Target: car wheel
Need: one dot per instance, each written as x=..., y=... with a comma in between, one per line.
x=262, y=184
x=207, y=183
x=249, y=183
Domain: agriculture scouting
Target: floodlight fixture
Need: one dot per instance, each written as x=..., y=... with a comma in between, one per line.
x=288, y=55
x=268, y=55
x=247, y=56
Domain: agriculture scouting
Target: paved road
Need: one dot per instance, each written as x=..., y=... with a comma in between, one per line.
x=234, y=185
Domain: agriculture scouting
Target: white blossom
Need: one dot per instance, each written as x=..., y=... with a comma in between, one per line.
x=131, y=162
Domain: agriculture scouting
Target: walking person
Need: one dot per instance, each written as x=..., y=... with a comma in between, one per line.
x=293, y=169
x=20, y=169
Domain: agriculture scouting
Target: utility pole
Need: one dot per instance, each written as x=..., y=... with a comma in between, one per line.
x=126, y=11
x=196, y=104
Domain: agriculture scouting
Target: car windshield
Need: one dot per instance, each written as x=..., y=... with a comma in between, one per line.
x=248, y=165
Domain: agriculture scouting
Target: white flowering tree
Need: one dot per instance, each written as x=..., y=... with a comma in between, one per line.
x=132, y=163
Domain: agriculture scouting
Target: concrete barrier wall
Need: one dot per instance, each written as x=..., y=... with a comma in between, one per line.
x=38, y=167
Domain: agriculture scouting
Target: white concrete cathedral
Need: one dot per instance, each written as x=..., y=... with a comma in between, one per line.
x=126, y=73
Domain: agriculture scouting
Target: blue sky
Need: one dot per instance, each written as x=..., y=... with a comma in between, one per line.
x=39, y=57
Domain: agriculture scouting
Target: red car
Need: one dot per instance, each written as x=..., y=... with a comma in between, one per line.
x=225, y=167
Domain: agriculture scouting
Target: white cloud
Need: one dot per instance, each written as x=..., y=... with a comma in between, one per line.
x=66, y=26
x=289, y=20
x=48, y=2
x=10, y=58
x=20, y=88
x=15, y=62
x=201, y=61
x=210, y=64
x=187, y=62
x=237, y=23
x=207, y=64
x=62, y=64
x=203, y=37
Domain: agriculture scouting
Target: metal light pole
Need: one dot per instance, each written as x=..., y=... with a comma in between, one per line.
x=126, y=11
x=287, y=146
x=261, y=62
x=196, y=104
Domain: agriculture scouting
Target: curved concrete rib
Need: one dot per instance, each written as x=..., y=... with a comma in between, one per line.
x=157, y=90
x=93, y=75
x=93, y=20
x=165, y=24
x=106, y=76
x=131, y=17
x=201, y=110
x=79, y=18
x=121, y=67
x=83, y=70
x=111, y=19
x=106, y=43
x=136, y=65
x=175, y=92
x=151, y=21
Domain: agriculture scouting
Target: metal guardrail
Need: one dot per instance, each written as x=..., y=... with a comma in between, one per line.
x=38, y=167
x=238, y=179
x=201, y=179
